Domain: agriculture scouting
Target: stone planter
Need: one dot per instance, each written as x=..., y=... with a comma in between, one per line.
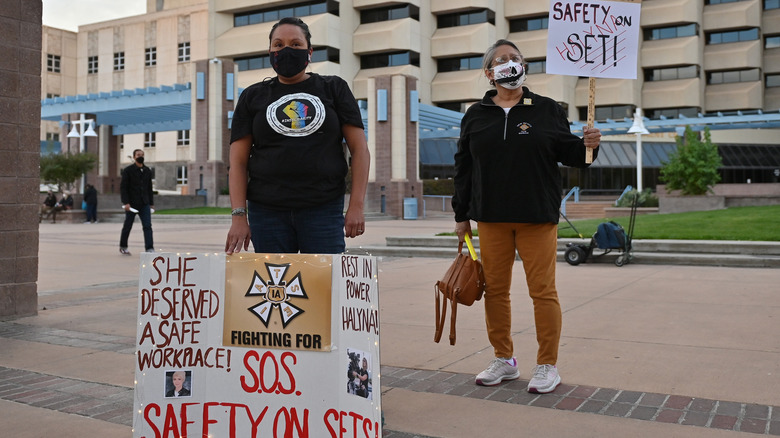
x=680, y=204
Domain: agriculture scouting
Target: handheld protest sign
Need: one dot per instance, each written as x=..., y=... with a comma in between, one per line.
x=257, y=345
x=597, y=39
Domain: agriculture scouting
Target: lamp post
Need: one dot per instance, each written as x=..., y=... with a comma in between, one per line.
x=638, y=128
x=85, y=129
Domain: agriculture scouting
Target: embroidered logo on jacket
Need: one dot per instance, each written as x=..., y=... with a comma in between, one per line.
x=296, y=115
x=524, y=127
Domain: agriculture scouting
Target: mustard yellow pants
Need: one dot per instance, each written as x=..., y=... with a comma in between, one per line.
x=536, y=245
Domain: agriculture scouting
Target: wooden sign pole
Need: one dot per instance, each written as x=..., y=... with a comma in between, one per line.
x=591, y=114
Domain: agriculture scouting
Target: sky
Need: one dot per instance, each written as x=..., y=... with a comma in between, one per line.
x=69, y=14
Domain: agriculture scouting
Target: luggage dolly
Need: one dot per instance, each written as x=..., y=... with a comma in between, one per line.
x=608, y=236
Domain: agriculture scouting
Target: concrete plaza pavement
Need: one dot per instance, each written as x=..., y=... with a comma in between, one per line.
x=646, y=351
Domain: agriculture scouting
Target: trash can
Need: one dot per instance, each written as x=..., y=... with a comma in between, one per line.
x=410, y=208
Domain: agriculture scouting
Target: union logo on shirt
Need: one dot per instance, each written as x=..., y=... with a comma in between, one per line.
x=524, y=127
x=296, y=115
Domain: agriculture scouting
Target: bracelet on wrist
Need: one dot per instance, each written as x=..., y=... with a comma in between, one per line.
x=240, y=211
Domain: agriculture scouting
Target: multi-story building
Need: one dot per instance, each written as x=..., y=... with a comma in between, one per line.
x=695, y=57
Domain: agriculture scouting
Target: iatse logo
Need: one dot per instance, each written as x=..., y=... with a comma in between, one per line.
x=524, y=127
x=277, y=294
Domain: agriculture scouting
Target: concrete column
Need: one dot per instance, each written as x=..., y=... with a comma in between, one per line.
x=394, y=146
x=20, y=121
x=210, y=135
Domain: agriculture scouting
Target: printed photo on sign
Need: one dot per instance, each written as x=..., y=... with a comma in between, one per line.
x=278, y=301
x=595, y=39
x=359, y=373
x=178, y=383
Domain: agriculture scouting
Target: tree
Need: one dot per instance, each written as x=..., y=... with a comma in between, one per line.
x=64, y=169
x=693, y=168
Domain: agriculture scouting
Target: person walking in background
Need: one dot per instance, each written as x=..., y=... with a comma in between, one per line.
x=91, y=199
x=287, y=163
x=137, y=199
x=507, y=180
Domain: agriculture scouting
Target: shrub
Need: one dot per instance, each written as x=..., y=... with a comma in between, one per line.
x=439, y=187
x=693, y=168
x=646, y=199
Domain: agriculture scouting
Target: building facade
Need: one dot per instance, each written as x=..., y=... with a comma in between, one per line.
x=695, y=57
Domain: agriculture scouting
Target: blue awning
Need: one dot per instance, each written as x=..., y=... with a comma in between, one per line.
x=152, y=109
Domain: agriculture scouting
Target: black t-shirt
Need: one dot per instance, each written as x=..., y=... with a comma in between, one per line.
x=297, y=159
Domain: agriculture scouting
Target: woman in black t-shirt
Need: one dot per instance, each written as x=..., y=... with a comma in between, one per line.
x=287, y=163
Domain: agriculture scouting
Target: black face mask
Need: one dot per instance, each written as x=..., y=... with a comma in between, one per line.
x=288, y=62
x=139, y=160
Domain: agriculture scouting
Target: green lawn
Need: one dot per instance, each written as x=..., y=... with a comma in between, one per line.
x=737, y=223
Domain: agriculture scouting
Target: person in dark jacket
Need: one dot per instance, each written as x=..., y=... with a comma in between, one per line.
x=507, y=180
x=91, y=199
x=50, y=207
x=137, y=199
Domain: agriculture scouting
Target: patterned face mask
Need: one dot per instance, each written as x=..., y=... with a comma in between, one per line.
x=509, y=75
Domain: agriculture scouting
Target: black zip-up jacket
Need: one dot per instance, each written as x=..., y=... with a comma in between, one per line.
x=136, y=186
x=506, y=166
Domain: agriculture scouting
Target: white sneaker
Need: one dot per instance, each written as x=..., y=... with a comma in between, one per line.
x=498, y=371
x=545, y=379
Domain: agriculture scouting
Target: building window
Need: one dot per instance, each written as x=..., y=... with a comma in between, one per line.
x=616, y=112
x=151, y=56
x=53, y=63
x=92, y=64
x=773, y=80
x=181, y=175
x=51, y=95
x=264, y=61
x=53, y=136
x=733, y=36
x=184, y=52
x=121, y=141
x=390, y=59
x=150, y=139
x=717, y=2
x=528, y=24
x=183, y=138
x=466, y=18
x=323, y=54
x=119, y=61
x=662, y=33
x=459, y=64
x=671, y=73
x=536, y=67
x=673, y=113
x=771, y=4
x=730, y=77
x=389, y=13
x=772, y=42
x=275, y=14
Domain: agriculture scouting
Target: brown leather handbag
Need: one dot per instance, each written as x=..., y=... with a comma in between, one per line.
x=463, y=283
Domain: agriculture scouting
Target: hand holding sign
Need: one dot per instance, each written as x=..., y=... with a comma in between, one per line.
x=598, y=39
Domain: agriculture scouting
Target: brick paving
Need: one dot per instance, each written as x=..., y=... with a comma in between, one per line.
x=114, y=404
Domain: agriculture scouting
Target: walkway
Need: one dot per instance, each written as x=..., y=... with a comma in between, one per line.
x=647, y=350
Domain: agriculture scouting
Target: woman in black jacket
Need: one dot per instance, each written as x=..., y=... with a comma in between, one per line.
x=507, y=180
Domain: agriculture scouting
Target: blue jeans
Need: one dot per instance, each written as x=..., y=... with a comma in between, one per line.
x=145, y=213
x=313, y=230
x=91, y=212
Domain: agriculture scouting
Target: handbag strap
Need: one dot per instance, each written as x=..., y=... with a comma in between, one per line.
x=440, y=314
x=452, y=321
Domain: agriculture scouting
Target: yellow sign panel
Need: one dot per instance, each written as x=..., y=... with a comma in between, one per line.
x=278, y=301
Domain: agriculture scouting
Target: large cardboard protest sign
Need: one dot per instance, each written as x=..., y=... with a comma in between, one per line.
x=257, y=345
x=594, y=39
